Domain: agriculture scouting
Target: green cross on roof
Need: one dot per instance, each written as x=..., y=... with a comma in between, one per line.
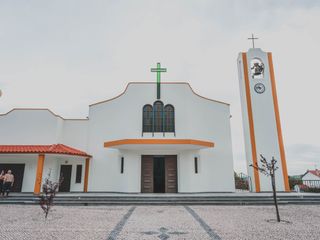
x=158, y=70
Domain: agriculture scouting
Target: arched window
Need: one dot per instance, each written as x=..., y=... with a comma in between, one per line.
x=147, y=118
x=169, y=118
x=158, y=116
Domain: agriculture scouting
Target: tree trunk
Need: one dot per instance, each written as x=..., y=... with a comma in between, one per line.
x=275, y=196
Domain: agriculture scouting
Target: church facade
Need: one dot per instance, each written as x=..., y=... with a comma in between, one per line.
x=152, y=139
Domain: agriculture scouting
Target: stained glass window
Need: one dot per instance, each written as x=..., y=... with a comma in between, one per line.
x=158, y=116
x=147, y=118
x=169, y=118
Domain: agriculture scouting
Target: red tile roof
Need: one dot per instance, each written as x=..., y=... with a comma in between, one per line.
x=53, y=149
x=315, y=172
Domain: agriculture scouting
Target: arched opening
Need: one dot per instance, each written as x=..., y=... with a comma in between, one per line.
x=158, y=116
x=169, y=118
x=147, y=118
x=257, y=68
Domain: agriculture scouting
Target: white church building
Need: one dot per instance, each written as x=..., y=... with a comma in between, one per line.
x=152, y=138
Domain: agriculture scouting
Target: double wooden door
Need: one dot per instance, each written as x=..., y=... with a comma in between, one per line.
x=159, y=174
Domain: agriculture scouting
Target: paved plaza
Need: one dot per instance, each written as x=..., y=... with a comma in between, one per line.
x=159, y=222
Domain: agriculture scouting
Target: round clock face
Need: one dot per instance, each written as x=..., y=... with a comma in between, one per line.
x=259, y=88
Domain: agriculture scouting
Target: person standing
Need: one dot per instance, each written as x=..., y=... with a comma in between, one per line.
x=1, y=183
x=8, y=182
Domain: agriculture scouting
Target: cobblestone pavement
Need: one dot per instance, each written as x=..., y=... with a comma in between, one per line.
x=159, y=222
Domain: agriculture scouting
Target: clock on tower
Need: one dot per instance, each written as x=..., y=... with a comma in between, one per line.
x=261, y=120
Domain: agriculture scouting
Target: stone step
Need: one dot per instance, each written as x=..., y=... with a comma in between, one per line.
x=80, y=203
x=178, y=199
x=146, y=200
x=169, y=196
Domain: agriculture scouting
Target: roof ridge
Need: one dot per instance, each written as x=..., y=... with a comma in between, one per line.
x=42, y=149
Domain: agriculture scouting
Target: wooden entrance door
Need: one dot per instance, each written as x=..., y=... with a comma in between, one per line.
x=159, y=174
x=18, y=172
x=65, y=174
x=171, y=174
x=147, y=174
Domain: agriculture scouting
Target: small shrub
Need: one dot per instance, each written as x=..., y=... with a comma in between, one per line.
x=49, y=190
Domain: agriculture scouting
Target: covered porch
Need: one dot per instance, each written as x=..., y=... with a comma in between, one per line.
x=161, y=165
x=31, y=164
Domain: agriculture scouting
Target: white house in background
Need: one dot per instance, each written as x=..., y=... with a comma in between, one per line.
x=139, y=141
x=312, y=178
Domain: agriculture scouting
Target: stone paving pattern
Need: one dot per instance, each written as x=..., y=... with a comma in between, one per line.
x=159, y=222
x=150, y=219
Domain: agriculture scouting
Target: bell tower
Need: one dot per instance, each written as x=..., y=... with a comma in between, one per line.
x=261, y=119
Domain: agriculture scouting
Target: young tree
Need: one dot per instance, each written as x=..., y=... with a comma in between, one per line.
x=49, y=190
x=268, y=169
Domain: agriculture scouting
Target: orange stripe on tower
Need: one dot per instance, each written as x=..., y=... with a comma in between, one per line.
x=251, y=126
x=37, y=184
x=277, y=115
x=86, y=175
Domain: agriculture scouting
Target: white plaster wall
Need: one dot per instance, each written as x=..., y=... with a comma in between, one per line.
x=195, y=118
x=245, y=122
x=74, y=161
x=29, y=127
x=50, y=166
x=40, y=126
x=210, y=176
x=75, y=133
x=266, y=136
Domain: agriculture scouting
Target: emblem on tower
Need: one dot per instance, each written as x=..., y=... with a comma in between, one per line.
x=259, y=88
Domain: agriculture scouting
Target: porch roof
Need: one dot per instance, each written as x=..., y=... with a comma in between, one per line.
x=42, y=149
x=160, y=144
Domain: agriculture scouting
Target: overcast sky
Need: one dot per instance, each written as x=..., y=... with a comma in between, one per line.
x=65, y=55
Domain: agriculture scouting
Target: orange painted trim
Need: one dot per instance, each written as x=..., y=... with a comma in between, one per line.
x=108, y=100
x=277, y=115
x=42, y=109
x=60, y=154
x=251, y=125
x=86, y=175
x=37, y=184
x=158, y=141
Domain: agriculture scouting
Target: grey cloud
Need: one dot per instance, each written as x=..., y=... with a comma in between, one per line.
x=301, y=157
